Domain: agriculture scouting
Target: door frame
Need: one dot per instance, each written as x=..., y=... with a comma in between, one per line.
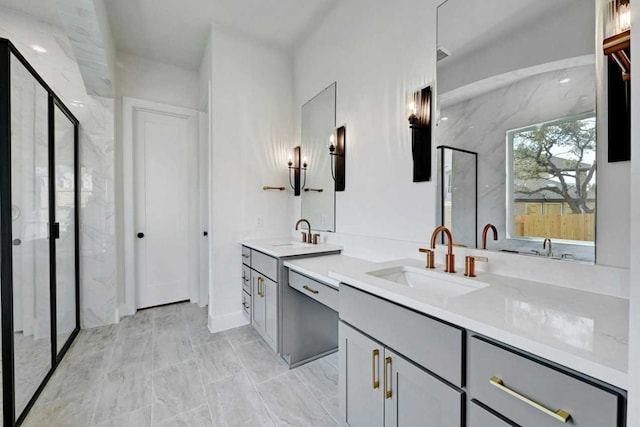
x=129, y=107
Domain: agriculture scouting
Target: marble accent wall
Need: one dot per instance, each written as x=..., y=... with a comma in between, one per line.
x=59, y=68
x=480, y=124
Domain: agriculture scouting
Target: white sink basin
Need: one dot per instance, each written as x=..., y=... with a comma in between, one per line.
x=440, y=284
x=291, y=245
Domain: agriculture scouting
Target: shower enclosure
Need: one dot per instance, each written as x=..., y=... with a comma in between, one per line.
x=39, y=203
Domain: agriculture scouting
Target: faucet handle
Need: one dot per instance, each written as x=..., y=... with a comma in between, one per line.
x=431, y=257
x=470, y=264
x=304, y=237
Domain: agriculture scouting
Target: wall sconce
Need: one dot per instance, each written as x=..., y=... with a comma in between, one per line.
x=420, y=124
x=337, y=152
x=294, y=166
x=617, y=46
x=618, y=32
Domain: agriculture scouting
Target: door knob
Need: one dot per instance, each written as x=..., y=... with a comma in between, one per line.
x=140, y=235
x=16, y=242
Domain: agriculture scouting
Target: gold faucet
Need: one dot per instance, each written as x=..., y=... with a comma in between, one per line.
x=306, y=237
x=484, y=234
x=544, y=246
x=450, y=263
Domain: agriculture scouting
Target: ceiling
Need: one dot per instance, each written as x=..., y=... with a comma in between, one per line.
x=176, y=32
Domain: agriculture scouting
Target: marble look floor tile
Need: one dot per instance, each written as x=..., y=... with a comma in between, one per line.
x=332, y=406
x=199, y=417
x=176, y=389
x=333, y=359
x=242, y=335
x=200, y=334
x=217, y=361
x=170, y=324
x=320, y=377
x=139, y=324
x=66, y=412
x=133, y=350
x=78, y=376
x=170, y=350
x=291, y=404
x=195, y=315
x=260, y=361
x=170, y=309
x=235, y=402
x=94, y=340
x=138, y=418
x=125, y=389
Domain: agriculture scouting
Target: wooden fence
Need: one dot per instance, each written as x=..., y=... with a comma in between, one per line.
x=569, y=227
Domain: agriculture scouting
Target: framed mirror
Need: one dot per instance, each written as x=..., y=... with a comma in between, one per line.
x=517, y=87
x=318, y=125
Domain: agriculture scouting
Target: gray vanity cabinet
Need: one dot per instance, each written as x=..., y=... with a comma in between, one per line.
x=381, y=388
x=264, y=295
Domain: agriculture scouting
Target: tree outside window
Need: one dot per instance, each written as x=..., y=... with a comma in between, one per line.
x=553, y=179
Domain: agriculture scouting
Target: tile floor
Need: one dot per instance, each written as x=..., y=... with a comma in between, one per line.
x=162, y=367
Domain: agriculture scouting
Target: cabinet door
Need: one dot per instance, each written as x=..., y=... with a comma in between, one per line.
x=270, y=300
x=361, y=398
x=414, y=397
x=257, y=302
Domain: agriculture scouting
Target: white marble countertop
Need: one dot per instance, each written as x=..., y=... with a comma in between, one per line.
x=319, y=267
x=283, y=247
x=583, y=331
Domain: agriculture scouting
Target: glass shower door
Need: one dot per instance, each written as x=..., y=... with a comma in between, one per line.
x=30, y=233
x=65, y=218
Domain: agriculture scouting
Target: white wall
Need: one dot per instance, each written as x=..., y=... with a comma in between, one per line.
x=252, y=107
x=139, y=77
x=633, y=405
x=142, y=78
x=378, y=52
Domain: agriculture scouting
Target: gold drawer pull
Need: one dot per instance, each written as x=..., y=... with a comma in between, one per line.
x=313, y=291
x=376, y=382
x=387, y=381
x=559, y=415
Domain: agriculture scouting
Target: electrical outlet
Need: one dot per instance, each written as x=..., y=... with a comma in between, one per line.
x=324, y=218
x=259, y=221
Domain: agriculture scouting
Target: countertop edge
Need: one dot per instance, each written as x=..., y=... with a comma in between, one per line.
x=576, y=363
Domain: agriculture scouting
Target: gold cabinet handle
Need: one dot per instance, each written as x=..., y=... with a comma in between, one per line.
x=262, y=287
x=313, y=291
x=559, y=415
x=374, y=371
x=387, y=381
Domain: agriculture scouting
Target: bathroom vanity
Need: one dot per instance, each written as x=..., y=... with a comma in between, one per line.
x=494, y=352
x=264, y=279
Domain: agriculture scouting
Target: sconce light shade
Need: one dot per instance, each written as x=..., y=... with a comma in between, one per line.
x=296, y=170
x=420, y=124
x=338, y=163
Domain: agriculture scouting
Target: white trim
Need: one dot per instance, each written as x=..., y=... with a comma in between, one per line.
x=227, y=321
x=129, y=106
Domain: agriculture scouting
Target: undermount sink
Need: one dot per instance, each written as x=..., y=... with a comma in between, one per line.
x=440, y=284
x=291, y=245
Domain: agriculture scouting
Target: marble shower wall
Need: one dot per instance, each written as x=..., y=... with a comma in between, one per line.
x=480, y=124
x=59, y=68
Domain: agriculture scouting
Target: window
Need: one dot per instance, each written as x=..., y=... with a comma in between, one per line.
x=552, y=180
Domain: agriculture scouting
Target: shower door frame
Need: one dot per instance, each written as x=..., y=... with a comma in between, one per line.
x=7, y=49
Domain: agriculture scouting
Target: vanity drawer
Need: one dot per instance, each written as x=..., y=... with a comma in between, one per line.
x=246, y=303
x=246, y=256
x=519, y=387
x=265, y=265
x=428, y=342
x=479, y=417
x=320, y=292
x=246, y=279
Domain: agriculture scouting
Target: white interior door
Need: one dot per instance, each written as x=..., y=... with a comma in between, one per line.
x=163, y=186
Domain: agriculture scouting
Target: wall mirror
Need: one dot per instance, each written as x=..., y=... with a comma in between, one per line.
x=517, y=89
x=318, y=195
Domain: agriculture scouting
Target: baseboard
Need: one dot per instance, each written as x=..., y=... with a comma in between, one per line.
x=227, y=321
